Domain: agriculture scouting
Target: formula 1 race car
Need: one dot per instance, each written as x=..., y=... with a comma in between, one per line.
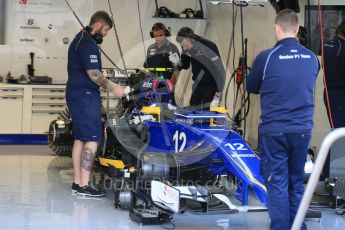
x=163, y=159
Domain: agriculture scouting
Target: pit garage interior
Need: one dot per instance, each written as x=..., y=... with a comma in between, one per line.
x=36, y=168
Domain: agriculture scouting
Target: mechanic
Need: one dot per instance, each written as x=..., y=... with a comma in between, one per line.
x=334, y=58
x=84, y=101
x=285, y=77
x=160, y=55
x=207, y=68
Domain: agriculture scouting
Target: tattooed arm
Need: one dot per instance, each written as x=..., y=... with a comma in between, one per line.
x=97, y=77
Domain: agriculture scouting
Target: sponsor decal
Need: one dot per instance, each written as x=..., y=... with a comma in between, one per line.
x=51, y=26
x=26, y=40
x=30, y=25
x=214, y=58
x=93, y=59
x=30, y=22
x=294, y=56
x=35, y=3
x=243, y=155
x=23, y=2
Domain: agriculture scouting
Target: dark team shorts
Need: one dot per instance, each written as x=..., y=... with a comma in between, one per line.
x=85, y=110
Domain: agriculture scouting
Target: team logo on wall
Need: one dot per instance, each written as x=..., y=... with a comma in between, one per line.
x=51, y=26
x=30, y=24
x=23, y=2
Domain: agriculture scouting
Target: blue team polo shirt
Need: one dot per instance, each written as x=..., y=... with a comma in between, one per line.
x=83, y=54
x=285, y=77
x=334, y=51
x=82, y=94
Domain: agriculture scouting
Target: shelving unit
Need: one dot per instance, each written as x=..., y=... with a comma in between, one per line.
x=185, y=18
x=29, y=109
x=11, y=108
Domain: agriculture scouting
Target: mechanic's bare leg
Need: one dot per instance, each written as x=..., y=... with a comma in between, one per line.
x=86, y=160
x=76, y=156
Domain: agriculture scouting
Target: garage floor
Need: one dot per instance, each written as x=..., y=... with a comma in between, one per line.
x=35, y=194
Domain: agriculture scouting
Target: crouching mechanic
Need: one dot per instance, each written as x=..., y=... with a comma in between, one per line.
x=207, y=68
x=162, y=56
x=84, y=101
x=285, y=77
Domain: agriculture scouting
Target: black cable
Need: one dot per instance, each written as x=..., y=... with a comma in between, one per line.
x=231, y=40
x=244, y=97
x=247, y=99
x=234, y=68
x=231, y=45
x=241, y=3
x=226, y=96
x=236, y=91
x=309, y=25
x=243, y=53
x=141, y=30
x=118, y=39
x=109, y=59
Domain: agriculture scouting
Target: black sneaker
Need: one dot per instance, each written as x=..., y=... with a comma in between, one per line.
x=89, y=190
x=74, y=187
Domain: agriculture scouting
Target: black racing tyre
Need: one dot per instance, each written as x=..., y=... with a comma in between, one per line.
x=60, y=138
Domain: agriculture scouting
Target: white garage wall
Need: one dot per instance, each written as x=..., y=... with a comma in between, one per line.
x=39, y=27
x=56, y=22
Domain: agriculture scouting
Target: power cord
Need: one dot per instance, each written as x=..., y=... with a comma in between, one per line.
x=118, y=40
x=232, y=35
x=231, y=47
x=100, y=48
x=141, y=29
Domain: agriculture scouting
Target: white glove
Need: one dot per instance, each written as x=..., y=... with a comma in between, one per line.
x=215, y=102
x=127, y=90
x=174, y=59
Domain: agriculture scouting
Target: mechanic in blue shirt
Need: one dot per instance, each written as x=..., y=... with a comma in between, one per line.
x=284, y=76
x=207, y=68
x=334, y=58
x=84, y=101
x=158, y=59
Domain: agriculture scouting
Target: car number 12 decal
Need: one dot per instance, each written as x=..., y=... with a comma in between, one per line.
x=180, y=139
x=236, y=146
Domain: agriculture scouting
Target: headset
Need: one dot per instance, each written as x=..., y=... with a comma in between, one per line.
x=164, y=12
x=189, y=12
x=159, y=26
x=97, y=37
